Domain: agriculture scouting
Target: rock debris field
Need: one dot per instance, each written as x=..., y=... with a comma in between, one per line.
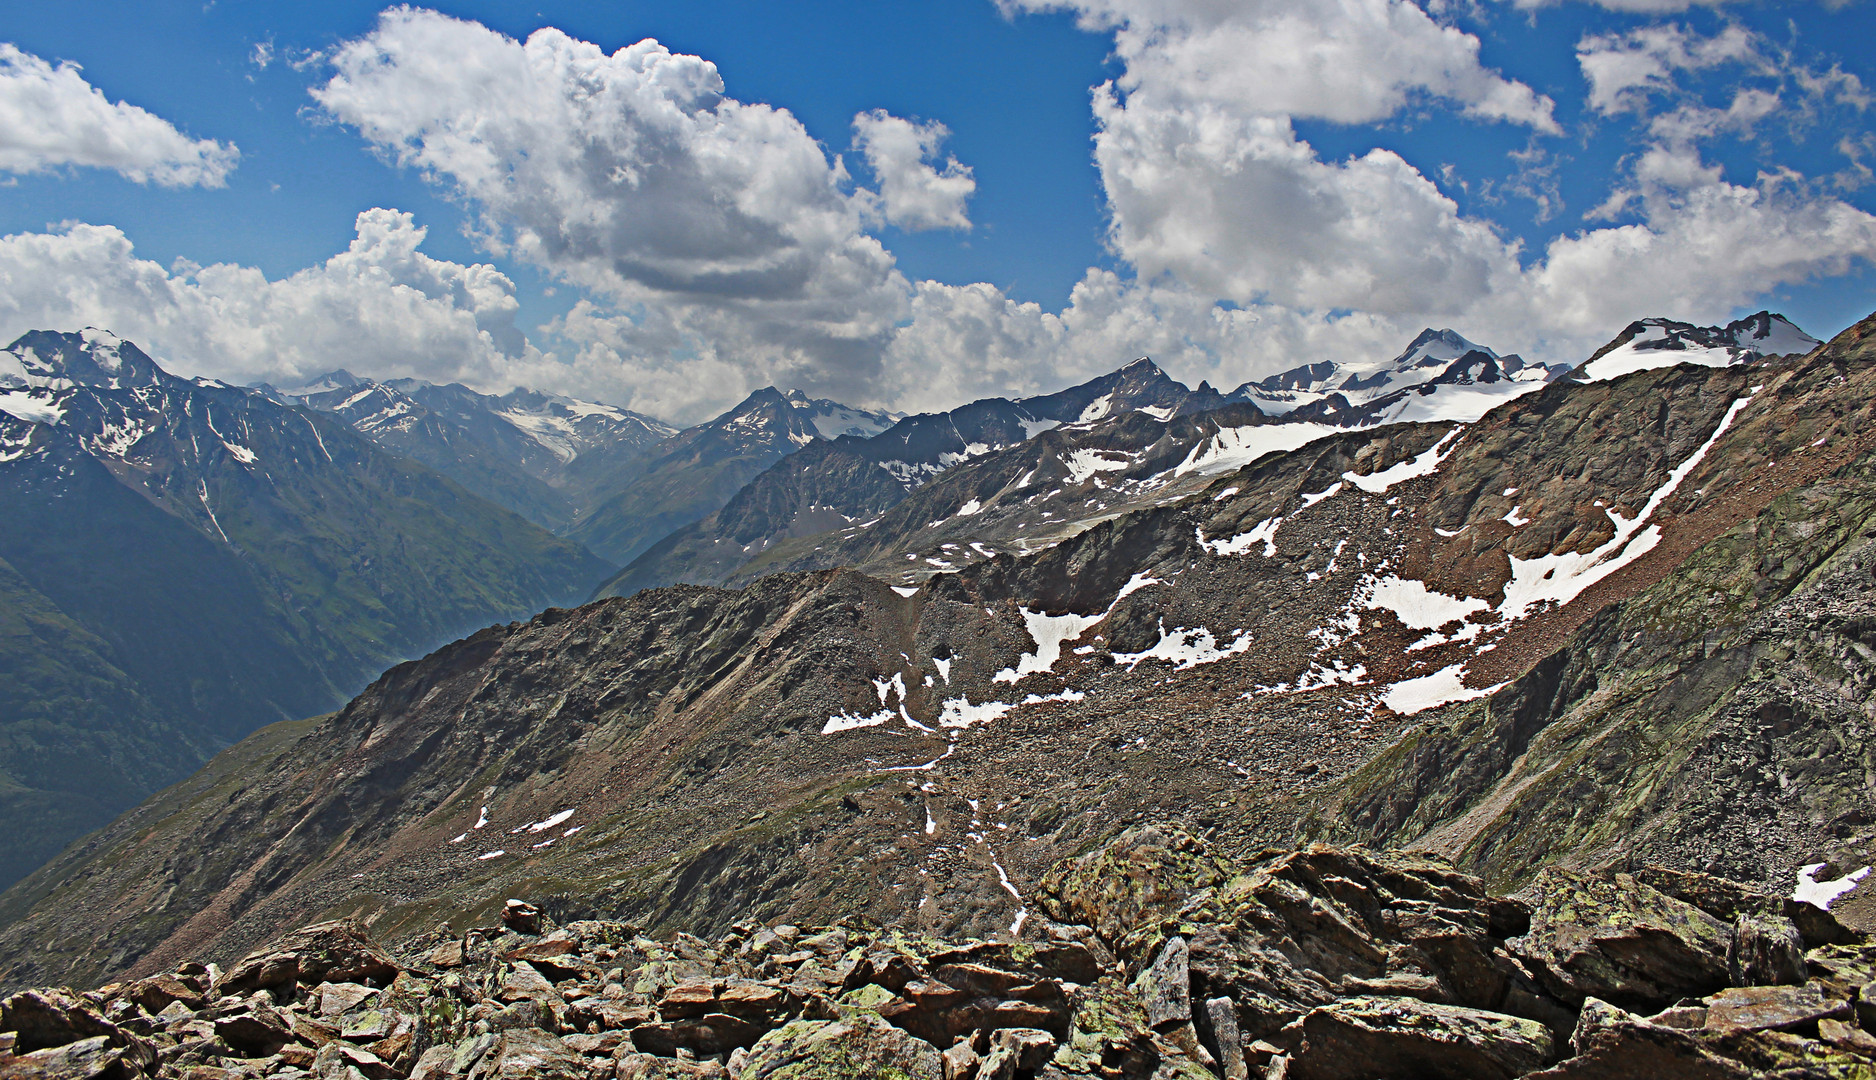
x=1161, y=960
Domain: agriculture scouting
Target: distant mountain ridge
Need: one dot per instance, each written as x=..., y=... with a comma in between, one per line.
x=1081, y=474
x=182, y=561
x=537, y=454
x=832, y=486
x=695, y=472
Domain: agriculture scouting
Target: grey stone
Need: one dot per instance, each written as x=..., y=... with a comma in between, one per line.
x=1165, y=988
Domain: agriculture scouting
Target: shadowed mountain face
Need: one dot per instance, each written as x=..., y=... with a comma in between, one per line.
x=183, y=561
x=694, y=472
x=1557, y=606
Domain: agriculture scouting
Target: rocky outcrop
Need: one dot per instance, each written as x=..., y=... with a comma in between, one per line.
x=1160, y=960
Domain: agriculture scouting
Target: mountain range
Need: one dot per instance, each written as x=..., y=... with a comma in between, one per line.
x=183, y=561
x=1423, y=633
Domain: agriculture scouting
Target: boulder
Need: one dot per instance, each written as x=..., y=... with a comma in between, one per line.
x=1305, y=928
x=1366, y=1037
x=1612, y=1044
x=960, y=1062
x=80, y=1060
x=1612, y=937
x=1165, y=988
x=714, y=1033
x=338, y=951
x=155, y=993
x=529, y=1055
x=521, y=917
x=1030, y=1048
x=1144, y=874
x=49, y=1018
x=338, y=1057
x=1773, y=1008
x=257, y=1032
x=339, y=998
x=858, y=1047
x=1219, y=1031
x=523, y=983
x=1767, y=950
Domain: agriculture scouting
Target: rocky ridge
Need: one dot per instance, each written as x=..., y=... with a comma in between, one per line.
x=1154, y=957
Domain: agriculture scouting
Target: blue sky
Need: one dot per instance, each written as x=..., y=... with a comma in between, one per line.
x=1260, y=184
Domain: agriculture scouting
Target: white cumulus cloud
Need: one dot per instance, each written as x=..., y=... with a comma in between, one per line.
x=1624, y=69
x=709, y=226
x=1351, y=61
x=50, y=117
x=915, y=193
x=381, y=306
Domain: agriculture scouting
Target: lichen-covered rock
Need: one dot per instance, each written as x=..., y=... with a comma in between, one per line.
x=858, y=1047
x=1367, y=1037
x=1145, y=873
x=1306, y=928
x=1767, y=950
x=1612, y=1044
x=1165, y=987
x=1615, y=938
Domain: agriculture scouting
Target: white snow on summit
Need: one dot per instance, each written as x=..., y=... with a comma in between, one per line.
x=1658, y=343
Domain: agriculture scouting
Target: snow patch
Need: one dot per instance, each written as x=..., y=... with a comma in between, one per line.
x=1822, y=894
x=1561, y=578
x=1265, y=533
x=1443, y=687
x=549, y=822
x=1134, y=585
x=958, y=712
x=1186, y=649
x=906, y=591
x=32, y=408
x=1328, y=493
x=1425, y=464
x=847, y=721
x=1048, y=632
x=1234, y=447
x=1083, y=464
x=1418, y=607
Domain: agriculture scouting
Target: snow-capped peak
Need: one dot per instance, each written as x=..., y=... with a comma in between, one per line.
x=831, y=419
x=1656, y=343
x=336, y=379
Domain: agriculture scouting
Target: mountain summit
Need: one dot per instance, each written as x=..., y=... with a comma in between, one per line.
x=1653, y=343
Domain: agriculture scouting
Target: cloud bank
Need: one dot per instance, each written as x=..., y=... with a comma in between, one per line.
x=717, y=246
